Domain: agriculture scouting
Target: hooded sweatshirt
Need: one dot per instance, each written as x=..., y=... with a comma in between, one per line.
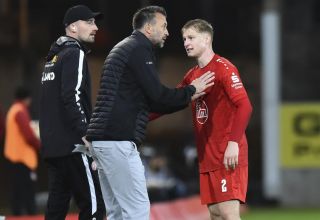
x=65, y=102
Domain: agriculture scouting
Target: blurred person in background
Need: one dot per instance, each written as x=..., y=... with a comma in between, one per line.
x=21, y=149
x=220, y=118
x=162, y=184
x=129, y=89
x=65, y=109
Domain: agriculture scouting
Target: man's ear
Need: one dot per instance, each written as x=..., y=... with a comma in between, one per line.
x=148, y=28
x=73, y=27
x=208, y=38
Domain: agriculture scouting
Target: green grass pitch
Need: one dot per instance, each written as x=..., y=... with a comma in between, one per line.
x=281, y=214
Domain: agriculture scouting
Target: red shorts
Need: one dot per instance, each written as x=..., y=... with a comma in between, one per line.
x=222, y=185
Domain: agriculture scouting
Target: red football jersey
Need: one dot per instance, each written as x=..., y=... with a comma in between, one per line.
x=213, y=114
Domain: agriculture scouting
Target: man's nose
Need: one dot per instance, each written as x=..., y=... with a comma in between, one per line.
x=95, y=28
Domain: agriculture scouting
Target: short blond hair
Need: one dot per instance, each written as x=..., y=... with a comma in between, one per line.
x=200, y=26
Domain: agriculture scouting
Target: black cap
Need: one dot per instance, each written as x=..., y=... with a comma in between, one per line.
x=79, y=12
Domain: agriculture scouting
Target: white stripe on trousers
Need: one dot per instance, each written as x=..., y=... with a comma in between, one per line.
x=91, y=184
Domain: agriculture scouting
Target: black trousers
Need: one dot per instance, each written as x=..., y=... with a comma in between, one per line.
x=72, y=176
x=22, y=190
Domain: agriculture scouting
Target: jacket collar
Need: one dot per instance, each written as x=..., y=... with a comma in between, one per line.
x=143, y=39
x=67, y=41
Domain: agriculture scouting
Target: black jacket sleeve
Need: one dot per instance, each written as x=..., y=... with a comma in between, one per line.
x=143, y=68
x=71, y=80
x=166, y=109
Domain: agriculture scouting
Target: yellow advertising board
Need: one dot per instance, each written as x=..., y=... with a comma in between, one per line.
x=300, y=135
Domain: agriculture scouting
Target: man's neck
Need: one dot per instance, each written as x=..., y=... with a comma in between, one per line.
x=205, y=58
x=74, y=36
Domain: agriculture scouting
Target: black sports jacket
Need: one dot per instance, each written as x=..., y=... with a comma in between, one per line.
x=129, y=89
x=65, y=104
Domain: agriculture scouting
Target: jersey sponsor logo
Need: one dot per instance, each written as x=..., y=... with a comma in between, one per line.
x=237, y=84
x=51, y=62
x=235, y=78
x=201, y=111
x=54, y=59
x=47, y=76
x=149, y=62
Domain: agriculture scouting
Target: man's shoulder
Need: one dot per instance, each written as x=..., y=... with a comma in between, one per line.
x=130, y=47
x=128, y=42
x=69, y=51
x=223, y=63
x=126, y=46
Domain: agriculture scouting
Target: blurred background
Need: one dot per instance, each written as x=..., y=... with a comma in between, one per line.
x=275, y=45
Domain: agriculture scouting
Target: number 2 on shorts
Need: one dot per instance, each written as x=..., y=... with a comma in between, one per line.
x=223, y=185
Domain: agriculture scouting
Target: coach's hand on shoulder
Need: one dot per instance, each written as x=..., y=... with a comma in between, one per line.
x=202, y=83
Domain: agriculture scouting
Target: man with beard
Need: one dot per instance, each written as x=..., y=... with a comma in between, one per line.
x=129, y=89
x=65, y=109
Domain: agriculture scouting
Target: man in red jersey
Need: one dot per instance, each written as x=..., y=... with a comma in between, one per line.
x=220, y=118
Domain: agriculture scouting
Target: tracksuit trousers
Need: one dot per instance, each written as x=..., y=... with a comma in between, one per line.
x=122, y=179
x=72, y=176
